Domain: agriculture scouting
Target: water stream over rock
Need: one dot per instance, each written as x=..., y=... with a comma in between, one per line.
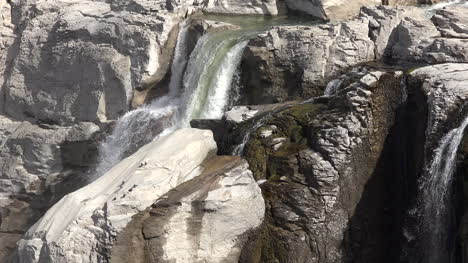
x=434, y=203
x=199, y=88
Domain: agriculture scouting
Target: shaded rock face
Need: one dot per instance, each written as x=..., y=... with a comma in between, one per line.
x=319, y=161
x=81, y=227
x=438, y=40
x=291, y=62
x=443, y=87
x=207, y=219
x=39, y=164
x=269, y=7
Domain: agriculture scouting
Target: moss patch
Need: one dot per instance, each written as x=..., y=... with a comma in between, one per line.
x=265, y=161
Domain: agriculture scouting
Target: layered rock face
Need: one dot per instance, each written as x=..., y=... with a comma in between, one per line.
x=290, y=62
x=213, y=204
x=208, y=218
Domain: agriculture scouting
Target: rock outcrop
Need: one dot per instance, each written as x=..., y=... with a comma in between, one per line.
x=443, y=92
x=445, y=88
x=291, y=62
x=81, y=61
x=81, y=226
x=206, y=219
x=317, y=161
x=439, y=40
x=208, y=193
x=39, y=164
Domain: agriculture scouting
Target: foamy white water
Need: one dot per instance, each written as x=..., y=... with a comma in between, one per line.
x=218, y=97
x=199, y=88
x=433, y=210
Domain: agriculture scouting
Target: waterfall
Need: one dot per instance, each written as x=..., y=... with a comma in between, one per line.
x=434, y=199
x=198, y=88
x=239, y=149
x=209, y=75
x=332, y=87
x=138, y=127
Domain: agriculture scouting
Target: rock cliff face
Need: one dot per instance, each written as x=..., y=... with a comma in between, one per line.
x=310, y=154
x=39, y=164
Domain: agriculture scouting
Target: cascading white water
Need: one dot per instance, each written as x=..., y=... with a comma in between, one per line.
x=239, y=149
x=217, y=98
x=199, y=88
x=332, y=87
x=212, y=64
x=434, y=199
x=140, y=126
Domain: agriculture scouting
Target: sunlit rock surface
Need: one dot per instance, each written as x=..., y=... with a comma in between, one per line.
x=82, y=226
x=206, y=219
x=330, y=9
x=438, y=40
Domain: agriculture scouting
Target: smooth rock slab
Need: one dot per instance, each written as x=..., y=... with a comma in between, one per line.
x=206, y=219
x=81, y=226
